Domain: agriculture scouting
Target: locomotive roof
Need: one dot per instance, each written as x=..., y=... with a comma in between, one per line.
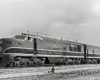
x=47, y=39
x=56, y=40
x=69, y=42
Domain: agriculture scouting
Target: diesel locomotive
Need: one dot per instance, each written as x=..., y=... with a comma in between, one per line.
x=30, y=50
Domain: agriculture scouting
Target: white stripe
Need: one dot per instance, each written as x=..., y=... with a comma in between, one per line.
x=16, y=47
x=40, y=55
x=46, y=55
x=43, y=55
x=93, y=57
x=42, y=50
x=19, y=54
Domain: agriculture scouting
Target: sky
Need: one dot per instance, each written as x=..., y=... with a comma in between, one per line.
x=70, y=19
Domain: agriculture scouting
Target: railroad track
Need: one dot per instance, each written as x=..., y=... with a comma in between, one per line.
x=74, y=70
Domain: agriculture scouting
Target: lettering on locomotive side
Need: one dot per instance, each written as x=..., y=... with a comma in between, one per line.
x=50, y=52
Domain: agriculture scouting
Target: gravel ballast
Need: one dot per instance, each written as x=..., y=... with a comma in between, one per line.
x=41, y=73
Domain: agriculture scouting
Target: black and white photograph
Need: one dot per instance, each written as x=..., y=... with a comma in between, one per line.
x=49, y=39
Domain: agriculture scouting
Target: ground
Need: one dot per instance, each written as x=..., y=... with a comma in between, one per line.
x=70, y=72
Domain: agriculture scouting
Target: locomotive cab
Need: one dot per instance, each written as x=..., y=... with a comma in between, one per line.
x=22, y=47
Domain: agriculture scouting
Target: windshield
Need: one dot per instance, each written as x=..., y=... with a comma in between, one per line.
x=19, y=37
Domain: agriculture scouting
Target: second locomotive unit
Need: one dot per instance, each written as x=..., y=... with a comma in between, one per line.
x=31, y=50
